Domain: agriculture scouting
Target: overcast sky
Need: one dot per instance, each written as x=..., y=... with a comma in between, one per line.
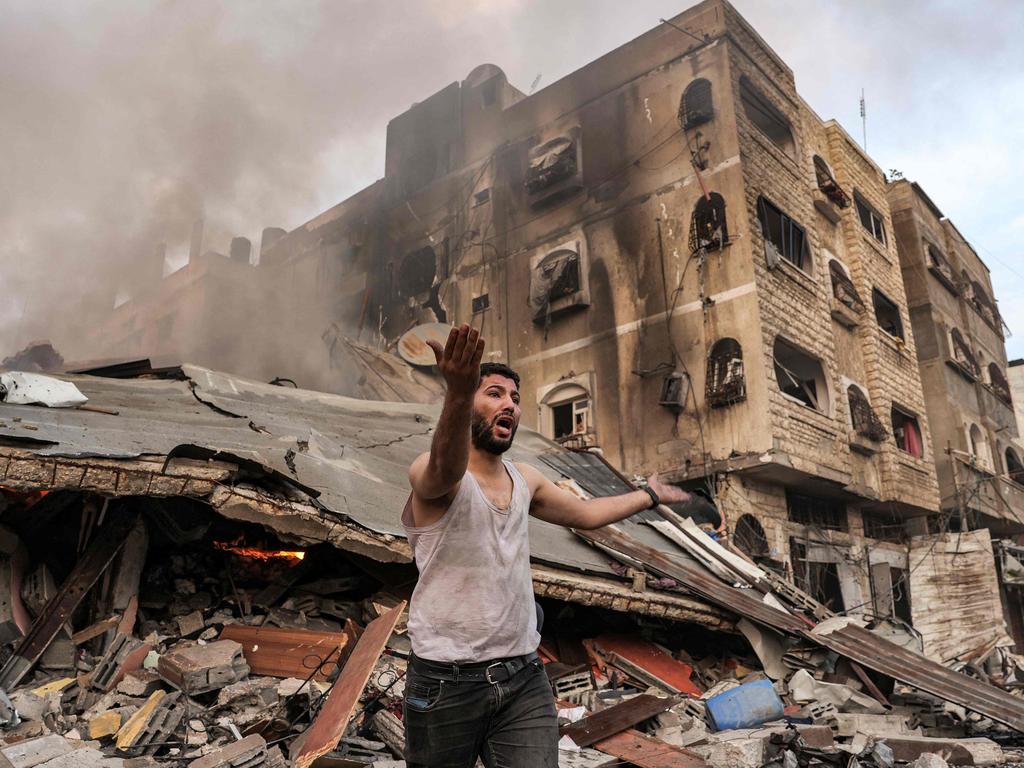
x=123, y=122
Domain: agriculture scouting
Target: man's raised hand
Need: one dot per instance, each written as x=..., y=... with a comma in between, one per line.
x=459, y=359
x=669, y=494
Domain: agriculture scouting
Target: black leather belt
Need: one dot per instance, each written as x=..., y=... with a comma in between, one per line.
x=495, y=671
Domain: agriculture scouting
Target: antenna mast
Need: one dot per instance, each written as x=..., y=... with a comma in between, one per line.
x=864, y=119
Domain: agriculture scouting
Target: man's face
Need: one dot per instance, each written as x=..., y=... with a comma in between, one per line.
x=495, y=414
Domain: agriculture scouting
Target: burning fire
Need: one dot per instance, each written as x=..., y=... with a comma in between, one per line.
x=255, y=553
x=28, y=498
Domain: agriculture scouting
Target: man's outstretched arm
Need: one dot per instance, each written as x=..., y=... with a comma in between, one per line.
x=555, y=505
x=436, y=474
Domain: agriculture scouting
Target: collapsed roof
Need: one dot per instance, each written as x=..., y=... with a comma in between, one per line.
x=318, y=467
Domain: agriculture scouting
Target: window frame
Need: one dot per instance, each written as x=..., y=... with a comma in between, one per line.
x=879, y=298
x=786, y=224
x=691, y=118
x=820, y=400
x=752, y=98
x=908, y=417
x=875, y=225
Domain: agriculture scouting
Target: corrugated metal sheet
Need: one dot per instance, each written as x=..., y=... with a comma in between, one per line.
x=879, y=654
x=351, y=455
x=851, y=641
x=676, y=565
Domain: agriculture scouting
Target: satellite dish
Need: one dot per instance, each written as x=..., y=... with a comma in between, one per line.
x=413, y=344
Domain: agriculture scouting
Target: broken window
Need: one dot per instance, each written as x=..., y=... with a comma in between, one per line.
x=962, y=353
x=907, y=432
x=939, y=266
x=417, y=272
x=1014, y=467
x=828, y=184
x=749, y=537
x=783, y=237
x=999, y=384
x=800, y=376
x=571, y=418
x=887, y=314
x=870, y=219
x=884, y=526
x=819, y=580
x=816, y=511
x=481, y=197
x=768, y=119
x=725, y=383
x=695, y=106
x=707, y=224
x=843, y=288
x=555, y=279
x=551, y=165
x=984, y=305
x=863, y=417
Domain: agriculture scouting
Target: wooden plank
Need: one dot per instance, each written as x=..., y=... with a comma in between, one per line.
x=330, y=724
x=95, y=630
x=645, y=752
x=616, y=719
x=278, y=652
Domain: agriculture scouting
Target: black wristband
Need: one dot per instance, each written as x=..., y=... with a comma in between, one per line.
x=655, y=499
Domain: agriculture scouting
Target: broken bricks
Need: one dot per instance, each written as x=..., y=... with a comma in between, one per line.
x=250, y=752
x=200, y=668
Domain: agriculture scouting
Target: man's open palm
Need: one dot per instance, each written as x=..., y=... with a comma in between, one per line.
x=459, y=359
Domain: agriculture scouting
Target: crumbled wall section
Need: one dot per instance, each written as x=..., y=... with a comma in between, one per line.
x=292, y=521
x=955, y=593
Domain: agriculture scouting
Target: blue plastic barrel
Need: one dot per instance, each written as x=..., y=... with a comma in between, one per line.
x=745, y=706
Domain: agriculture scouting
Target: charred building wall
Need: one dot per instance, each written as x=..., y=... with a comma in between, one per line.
x=692, y=272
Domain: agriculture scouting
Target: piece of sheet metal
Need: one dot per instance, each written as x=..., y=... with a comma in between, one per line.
x=838, y=634
x=883, y=656
x=352, y=454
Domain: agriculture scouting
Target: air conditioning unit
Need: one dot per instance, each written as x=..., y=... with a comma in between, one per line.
x=558, y=281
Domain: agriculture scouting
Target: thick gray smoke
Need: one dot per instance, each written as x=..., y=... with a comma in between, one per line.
x=123, y=122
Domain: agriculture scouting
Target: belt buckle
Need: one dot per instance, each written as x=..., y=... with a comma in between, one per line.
x=487, y=672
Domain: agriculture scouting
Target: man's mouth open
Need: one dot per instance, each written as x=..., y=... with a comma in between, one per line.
x=503, y=426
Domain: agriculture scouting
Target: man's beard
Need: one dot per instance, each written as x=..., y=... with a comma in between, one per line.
x=484, y=439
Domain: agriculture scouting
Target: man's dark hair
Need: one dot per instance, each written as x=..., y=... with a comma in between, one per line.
x=498, y=369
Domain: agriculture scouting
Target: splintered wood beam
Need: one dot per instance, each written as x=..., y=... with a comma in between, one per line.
x=616, y=719
x=97, y=557
x=329, y=726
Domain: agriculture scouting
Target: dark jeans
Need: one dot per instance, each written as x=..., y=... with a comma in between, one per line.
x=509, y=725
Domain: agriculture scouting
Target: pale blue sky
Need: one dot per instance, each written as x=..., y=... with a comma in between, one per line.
x=131, y=117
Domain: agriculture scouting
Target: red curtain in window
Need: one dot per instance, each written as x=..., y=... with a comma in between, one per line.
x=912, y=439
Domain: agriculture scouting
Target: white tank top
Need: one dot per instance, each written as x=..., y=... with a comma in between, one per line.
x=474, y=597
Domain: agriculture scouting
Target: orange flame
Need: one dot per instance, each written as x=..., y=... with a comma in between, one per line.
x=259, y=554
x=28, y=498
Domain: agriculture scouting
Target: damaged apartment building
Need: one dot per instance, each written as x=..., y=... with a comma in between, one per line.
x=694, y=274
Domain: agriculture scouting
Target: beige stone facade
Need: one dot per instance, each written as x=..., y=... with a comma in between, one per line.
x=692, y=272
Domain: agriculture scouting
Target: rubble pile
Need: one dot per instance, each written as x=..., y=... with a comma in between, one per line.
x=226, y=617
x=175, y=639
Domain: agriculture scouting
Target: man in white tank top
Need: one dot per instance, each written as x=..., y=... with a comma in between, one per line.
x=475, y=686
